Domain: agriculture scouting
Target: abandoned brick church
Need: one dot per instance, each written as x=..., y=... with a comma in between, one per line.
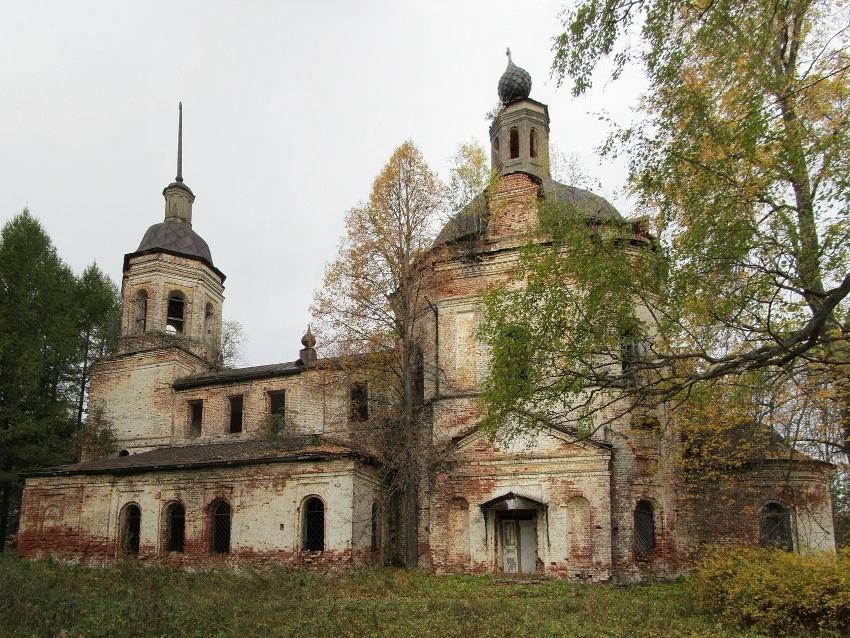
x=198, y=481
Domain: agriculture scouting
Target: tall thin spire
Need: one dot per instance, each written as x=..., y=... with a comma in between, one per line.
x=179, y=177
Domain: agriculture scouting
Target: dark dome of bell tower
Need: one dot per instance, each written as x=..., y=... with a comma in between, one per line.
x=515, y=83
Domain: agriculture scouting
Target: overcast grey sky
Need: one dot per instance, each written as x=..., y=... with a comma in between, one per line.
x=290, y=110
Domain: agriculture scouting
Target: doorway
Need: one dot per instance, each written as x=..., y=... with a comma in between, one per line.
x=517, y=542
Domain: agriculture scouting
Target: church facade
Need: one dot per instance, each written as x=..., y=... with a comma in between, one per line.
x=261, y=465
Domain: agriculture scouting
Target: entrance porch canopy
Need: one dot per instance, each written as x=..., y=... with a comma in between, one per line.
x=512, y=501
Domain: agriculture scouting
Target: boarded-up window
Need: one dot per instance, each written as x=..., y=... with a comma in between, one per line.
x=220, y=528
x=775, y=527
x=131, y=528
x=313, y=533
x=457, y=532
x=644, y=530
x=175, y=527
x=236, y=404
x=579, y=529
x=465, y=359
x=140, y=312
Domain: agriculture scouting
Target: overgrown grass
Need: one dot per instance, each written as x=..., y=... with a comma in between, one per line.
x=53, y=599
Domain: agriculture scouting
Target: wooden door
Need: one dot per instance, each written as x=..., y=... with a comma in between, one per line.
x=510, y=548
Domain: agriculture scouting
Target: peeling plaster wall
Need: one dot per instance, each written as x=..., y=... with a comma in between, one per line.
x=79, y=516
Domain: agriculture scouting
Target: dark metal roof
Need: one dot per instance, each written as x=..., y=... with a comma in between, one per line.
x=176, y=237
x=291, y=449
x=471, y=221
x=514, y=84
x=233, y=375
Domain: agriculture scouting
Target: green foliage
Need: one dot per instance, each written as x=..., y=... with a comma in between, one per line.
x=778, y=592
x=564, y=329
x=39, y=349
x=51, y=599
x=96, y=438
x=99, y=324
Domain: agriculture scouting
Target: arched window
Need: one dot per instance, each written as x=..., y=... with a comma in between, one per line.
x=775, y=527
x=313, y=533
x=220, y=527
x=209, y=315
x=140, y=312
x=496, y=145
x=376, y=526
x=514, y=140
x=644, y=529
x=532, y=143
x=175, y=527
x=124, y=453
x=176, y=309
x=131, y=528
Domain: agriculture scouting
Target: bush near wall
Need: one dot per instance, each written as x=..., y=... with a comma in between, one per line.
x=776, y=591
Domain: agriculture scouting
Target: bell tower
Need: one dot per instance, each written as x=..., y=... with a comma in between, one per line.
x=172, y=291
x=519, y=134
x=171, y=296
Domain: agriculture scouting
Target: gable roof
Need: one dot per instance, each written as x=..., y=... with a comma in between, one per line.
x=567, y=434
x=230, y=453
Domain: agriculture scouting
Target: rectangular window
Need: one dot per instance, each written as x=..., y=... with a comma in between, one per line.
x=196, y=418
x=236, y=414
x=359, y=407
x=277, y=402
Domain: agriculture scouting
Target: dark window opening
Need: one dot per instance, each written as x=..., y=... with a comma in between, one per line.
x=236, y=414
x=277, y=402
x=196, y=416
x=419, y=379
x=775, y=527
x=220, y=541
x=131, y=528
x=175, y=527
x=376, y=526
x=644, y=530
x=176, y=308
x=314, y=525
x=532, y=143
x=514, y=140
x=124, y=453
x=359, y=409
x=140, y=312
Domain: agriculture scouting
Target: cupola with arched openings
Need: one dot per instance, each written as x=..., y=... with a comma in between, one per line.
x=519, y=134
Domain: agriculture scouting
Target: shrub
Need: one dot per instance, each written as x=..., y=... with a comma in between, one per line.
x=775, y=591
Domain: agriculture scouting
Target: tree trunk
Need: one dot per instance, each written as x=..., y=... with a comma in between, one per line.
x=5, y=495
x=81, y=400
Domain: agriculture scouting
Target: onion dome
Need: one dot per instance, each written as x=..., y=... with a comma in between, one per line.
x=515, y=83
x=308, y=340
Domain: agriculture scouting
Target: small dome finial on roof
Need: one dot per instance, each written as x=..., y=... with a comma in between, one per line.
x=308, y=353
x=309, y=339
x=515, y=82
